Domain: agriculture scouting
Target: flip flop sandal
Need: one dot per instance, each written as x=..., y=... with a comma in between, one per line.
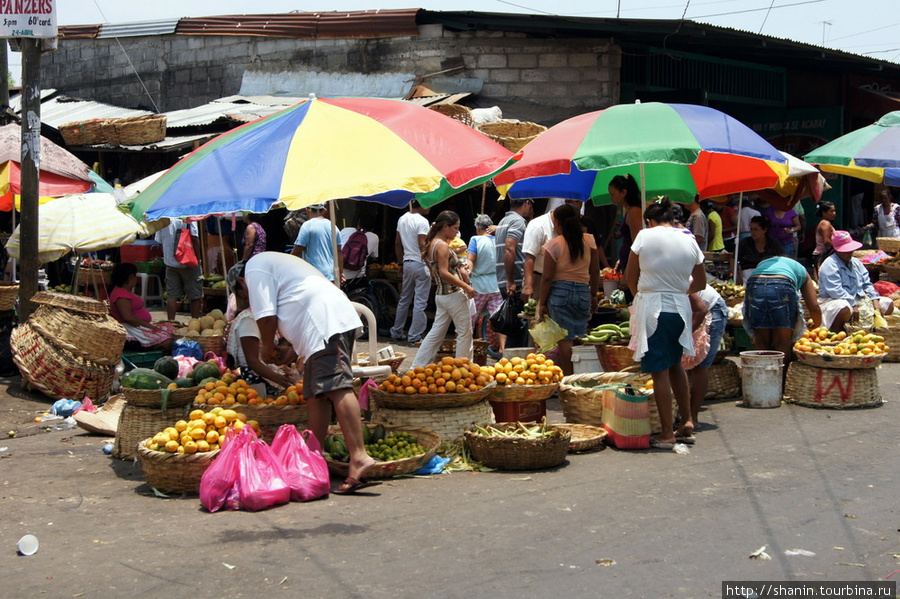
x=686, y=439
x=352, y=485
x=656, y=444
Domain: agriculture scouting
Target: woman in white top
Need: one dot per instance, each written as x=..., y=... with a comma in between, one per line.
x=887, y=216
x=665, y=265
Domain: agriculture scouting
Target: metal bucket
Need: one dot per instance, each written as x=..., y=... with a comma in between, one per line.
x=761, y=378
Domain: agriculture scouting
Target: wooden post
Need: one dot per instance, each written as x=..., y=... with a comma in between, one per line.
x=4, y=85
x=31, y=163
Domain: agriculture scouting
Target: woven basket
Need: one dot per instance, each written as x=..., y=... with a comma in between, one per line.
x=430, y=401
x=615, y=358
x=68, y=301
x=839, y=362
x=581, y=398
x=97, y=337
x=449, y=423
x=391, y=274
x=137, y=423
x=523, y=392
x=213, y=343
x=830, y=388
x=724, y=381
x=428, y=439
x=84, y=133
x=56, y=372
x=463, y=114
x=9, y=293
x=512, y=135
x=518, y=453
x=893, y=270
x=153, y=398
x=174, y=472
x=891, y=340
x=584, y=437
x=135, y=130
x=888, y=245
x=362, y=359
x=95, y=276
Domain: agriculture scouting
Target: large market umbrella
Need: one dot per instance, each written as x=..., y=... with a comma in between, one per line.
x=381, y=150
x=679, y=150
x=61, y=173
x=871, y=153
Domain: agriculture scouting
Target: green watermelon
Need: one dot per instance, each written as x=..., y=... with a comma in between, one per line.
x=144, y=378
x=204, y=370
x=184, y=382
x=167, y=366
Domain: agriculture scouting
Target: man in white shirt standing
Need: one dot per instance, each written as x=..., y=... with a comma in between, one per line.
x=289, y=295
x=408, y=245
x=538, y=232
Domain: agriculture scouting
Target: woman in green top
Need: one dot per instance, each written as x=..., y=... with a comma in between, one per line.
x=714, y=227
x=772, y=314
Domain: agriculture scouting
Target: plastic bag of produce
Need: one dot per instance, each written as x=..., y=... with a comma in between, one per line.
x=506, y=319
x=218, y=486
x=304, y=467
x=261, y=480
x=548, y=333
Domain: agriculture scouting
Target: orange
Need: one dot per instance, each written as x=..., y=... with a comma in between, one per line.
x=212, y=437
x=416, y=383
x=429, y=371
x=432, y=388
x=419, y=369
x=196, y=414
x=441, y=389
x=451, y=386
x=440, y=382
x=423, y=389
x=410, y=390
x=181, y=425
x=172, y=446
x=202, y=446
x=447, y=361
x=406, y=381
x=456, y=374
x=501, y=378
x=390, y=388
x=190, y=447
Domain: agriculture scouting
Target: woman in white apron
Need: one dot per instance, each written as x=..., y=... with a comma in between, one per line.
x=887, y=216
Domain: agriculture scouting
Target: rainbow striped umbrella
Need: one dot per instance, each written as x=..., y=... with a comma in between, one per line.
x=380, y=150
x=871, y=153
x=678, y=150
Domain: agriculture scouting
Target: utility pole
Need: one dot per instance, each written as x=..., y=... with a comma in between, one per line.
x=31, y=164
x=4, y=87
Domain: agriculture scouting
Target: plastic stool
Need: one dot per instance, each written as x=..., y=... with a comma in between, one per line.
x=147, y=281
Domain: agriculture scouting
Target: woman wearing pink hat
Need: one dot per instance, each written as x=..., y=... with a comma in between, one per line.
x=844, y=283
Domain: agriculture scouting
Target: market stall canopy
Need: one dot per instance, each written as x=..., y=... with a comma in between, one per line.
x=679, y=150
x=871, y=153
x=60, y=172
x=83, y=223
x=379, y=150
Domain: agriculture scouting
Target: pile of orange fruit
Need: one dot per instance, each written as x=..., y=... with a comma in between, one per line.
x=230, y=391
x=534, y=369
x=450, y=375
x=823, y=341
x=204, y=431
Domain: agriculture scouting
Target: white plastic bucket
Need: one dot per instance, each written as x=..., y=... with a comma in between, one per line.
x=761, y=378
x=517, y=352
x=585, y=360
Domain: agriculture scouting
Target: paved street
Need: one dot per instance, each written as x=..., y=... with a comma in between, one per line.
x=669, y=525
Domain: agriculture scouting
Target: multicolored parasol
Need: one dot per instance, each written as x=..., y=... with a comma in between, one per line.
x=871, y=153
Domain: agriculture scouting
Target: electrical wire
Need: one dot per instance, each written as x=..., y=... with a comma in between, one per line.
x=766, y=18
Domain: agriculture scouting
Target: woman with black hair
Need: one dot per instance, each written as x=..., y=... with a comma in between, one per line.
x=826, y=211
x=452, y=292
x=625, y=194
x=570, y=280
x=665, y=265
x=128, y=309
x=756, y=248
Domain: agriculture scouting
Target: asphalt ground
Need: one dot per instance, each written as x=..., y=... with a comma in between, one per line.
x=610, y=523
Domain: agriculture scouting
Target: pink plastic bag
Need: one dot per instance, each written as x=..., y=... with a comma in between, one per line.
x=185, y=365
x=364, y=392
x=304, y=466
x=261, y=480
x=86, y=406
x=218, y=486
x=220, y=361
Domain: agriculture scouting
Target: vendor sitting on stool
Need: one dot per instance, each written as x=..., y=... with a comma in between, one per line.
x=128, y=309
x=843, y=283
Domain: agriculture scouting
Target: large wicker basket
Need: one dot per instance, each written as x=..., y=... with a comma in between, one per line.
x=585, y=437
x=97, y=337
x=892, y=269
x=829, y=388
x=449, y=423
x=891, y=340
x=724, y=381
x=135, y=130
x=518, y=453
x=161, y=398
x=523, y=392
x=57, y=372
x=430, y=401
x=888, y=245
x=9, y=293
x=428, y=439
x=95, y=276
x=839, y=362
x=68, y=301
x=84, y=133
x=615, y=358
x=137, y=423
x=580, y=395
x=463, y=114
x=512, y=135
x=174, y=472
x=269, y=417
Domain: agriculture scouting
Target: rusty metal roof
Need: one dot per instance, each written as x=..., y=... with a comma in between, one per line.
x=82, y=31
x=352, y=24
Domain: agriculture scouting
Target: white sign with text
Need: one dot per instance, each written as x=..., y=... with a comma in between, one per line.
x=28, y=18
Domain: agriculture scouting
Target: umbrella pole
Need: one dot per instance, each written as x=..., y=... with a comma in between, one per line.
x=222, y=246
x=643, y=198
x=483, y=196
x=13, y=271
x=738, y=238
x=334, y=245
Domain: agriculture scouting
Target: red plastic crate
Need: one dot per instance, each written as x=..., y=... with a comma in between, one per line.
x=140, y=252
x=519, y=411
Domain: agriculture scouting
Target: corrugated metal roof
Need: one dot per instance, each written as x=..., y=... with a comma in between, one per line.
x=208, y=114
x=59, y=110
x=15, y=102
x=282, y=101
x=352, y=24
x=76, y=31
x=169, y=144
x=138, y=28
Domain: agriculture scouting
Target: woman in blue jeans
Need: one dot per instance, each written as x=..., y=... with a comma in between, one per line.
x=570, y=280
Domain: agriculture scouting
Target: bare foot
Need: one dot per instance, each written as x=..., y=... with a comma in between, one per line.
x=358, y=471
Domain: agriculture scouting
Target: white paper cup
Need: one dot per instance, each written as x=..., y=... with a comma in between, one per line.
x=28, y=545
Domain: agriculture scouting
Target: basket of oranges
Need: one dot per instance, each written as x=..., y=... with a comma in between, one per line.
x=531, y=378
x=822, y=348
x=449, y=383
x=233, y=392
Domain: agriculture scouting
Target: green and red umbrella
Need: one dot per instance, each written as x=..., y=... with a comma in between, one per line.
x=871, y=153
x=380, y=150
x=679, y=150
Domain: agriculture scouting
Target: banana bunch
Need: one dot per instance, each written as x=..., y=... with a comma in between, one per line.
x=609, y=333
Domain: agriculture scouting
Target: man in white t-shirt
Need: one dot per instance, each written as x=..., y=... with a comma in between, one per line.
x=372, y=242
x=538, y=232
x=408, y=245
x=289, y=295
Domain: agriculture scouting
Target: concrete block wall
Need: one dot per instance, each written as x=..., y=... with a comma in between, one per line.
x=179, y=71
